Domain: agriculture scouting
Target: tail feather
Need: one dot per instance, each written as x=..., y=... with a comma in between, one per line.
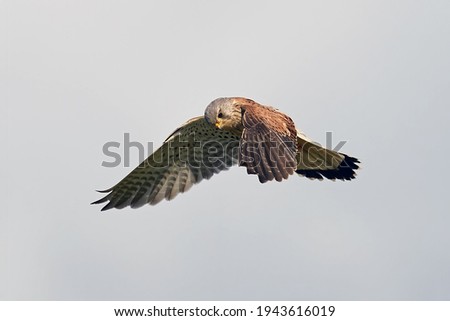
x=317, y=162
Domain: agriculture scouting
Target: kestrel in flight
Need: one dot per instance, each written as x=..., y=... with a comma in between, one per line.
x=232, y=131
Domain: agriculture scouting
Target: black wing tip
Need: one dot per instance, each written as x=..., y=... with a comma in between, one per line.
x=100, y=201
x=104, y=191
x=103, y=200
x=107, y=207
x=104, y=208
x=119, y=204
x=345, y=171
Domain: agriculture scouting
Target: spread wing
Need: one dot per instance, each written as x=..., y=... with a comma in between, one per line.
x=268, y=147
x=195, y=151
x=315, y=161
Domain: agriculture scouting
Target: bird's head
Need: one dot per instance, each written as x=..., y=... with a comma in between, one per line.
x=223, y=113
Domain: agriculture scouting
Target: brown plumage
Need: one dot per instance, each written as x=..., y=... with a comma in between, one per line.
x=268, y=142
x=232, y=131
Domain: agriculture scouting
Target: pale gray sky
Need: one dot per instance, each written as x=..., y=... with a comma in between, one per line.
x=78, y=74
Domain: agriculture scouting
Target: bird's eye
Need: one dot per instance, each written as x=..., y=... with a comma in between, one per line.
x=220, y=115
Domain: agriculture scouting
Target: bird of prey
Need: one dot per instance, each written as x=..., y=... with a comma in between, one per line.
x=232, y=131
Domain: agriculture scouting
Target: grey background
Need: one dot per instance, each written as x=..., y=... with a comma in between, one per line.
x=77, y=74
